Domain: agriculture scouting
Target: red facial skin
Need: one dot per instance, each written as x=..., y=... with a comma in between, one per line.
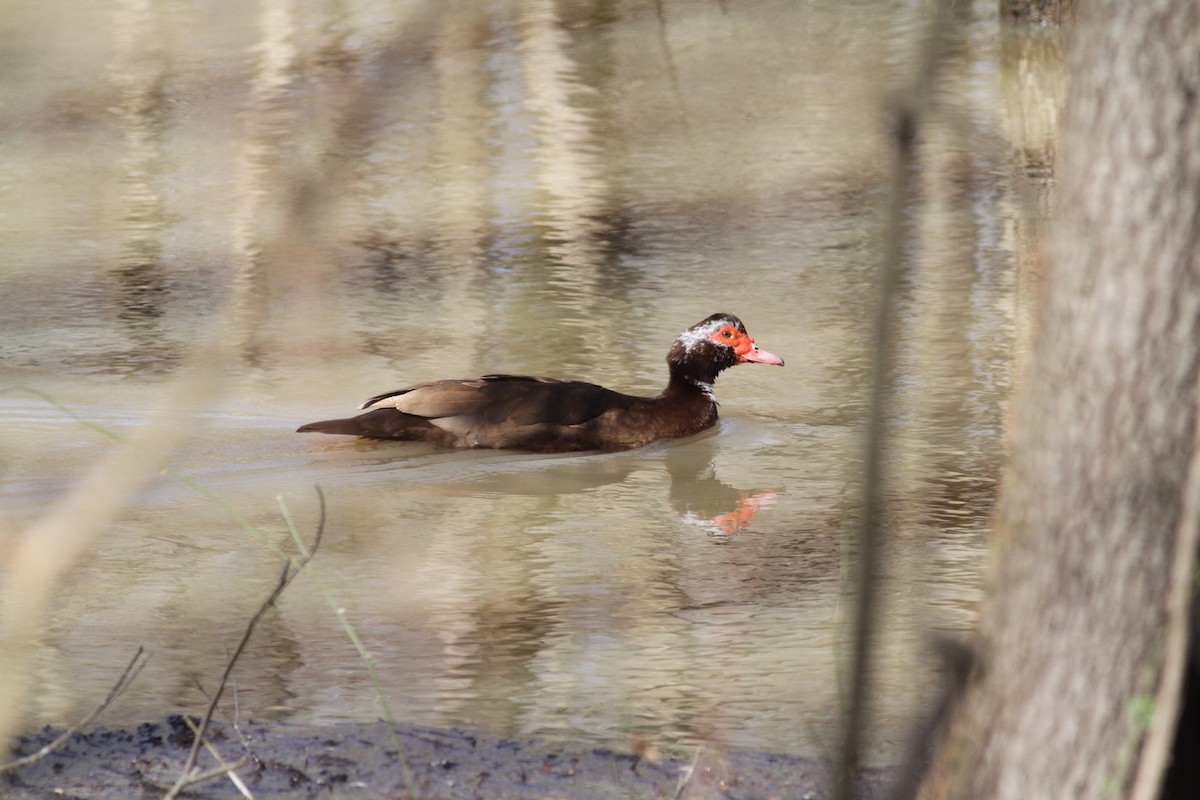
x=744, y=346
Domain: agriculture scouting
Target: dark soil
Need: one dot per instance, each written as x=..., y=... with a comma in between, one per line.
x=367, y=761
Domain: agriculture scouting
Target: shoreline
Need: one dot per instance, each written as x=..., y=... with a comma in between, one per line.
x=362, y=760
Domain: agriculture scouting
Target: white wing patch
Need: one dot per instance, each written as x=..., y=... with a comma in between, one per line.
x=387, y=402
x=457, y=425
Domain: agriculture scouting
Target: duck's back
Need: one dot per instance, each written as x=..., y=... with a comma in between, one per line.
x=514, y=411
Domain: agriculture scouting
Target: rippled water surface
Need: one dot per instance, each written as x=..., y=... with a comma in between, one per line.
x=359, y=196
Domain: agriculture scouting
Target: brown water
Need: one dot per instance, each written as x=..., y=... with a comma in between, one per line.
x=374, y=194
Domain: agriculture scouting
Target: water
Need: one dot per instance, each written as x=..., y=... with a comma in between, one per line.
x=361, y=196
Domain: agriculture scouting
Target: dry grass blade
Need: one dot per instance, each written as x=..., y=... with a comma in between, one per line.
x=210, y=773
x=686, y=777
x=132, y=669
x=286, y=576
x=46, y=551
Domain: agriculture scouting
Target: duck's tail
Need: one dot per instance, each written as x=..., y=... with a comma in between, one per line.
x=348, y=427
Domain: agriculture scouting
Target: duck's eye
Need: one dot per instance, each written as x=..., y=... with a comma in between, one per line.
x=726, y=334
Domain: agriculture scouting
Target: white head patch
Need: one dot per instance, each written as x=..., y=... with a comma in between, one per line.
x=693, y=336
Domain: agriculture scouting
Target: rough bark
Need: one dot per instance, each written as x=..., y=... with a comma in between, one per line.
x=1080, y=654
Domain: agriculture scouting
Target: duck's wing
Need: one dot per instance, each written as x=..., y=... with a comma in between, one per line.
x=517, y=411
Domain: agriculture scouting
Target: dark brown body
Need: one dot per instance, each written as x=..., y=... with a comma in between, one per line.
x=537, y=414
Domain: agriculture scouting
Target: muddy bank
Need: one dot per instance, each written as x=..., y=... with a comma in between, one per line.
x=368, y=761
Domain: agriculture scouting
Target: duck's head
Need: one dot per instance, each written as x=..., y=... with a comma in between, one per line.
x=715, y=344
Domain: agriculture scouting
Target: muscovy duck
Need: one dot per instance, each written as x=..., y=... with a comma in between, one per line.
x=547, y=415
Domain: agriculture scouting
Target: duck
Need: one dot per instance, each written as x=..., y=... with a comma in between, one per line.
x=548, y=415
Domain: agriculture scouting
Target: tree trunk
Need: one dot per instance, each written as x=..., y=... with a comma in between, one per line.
x=1077, y=682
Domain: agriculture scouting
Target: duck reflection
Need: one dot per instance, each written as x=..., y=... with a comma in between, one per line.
x=695, y=492
x=700, y=498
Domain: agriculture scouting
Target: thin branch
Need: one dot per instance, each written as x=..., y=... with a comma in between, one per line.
x=907, y=113
x=132, y=669
x=286, y=576
x=1151, y=768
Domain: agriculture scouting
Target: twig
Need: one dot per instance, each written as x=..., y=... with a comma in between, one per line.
x=286, y=576
x=229, y=769
x=132, y=669
x=237, y=719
